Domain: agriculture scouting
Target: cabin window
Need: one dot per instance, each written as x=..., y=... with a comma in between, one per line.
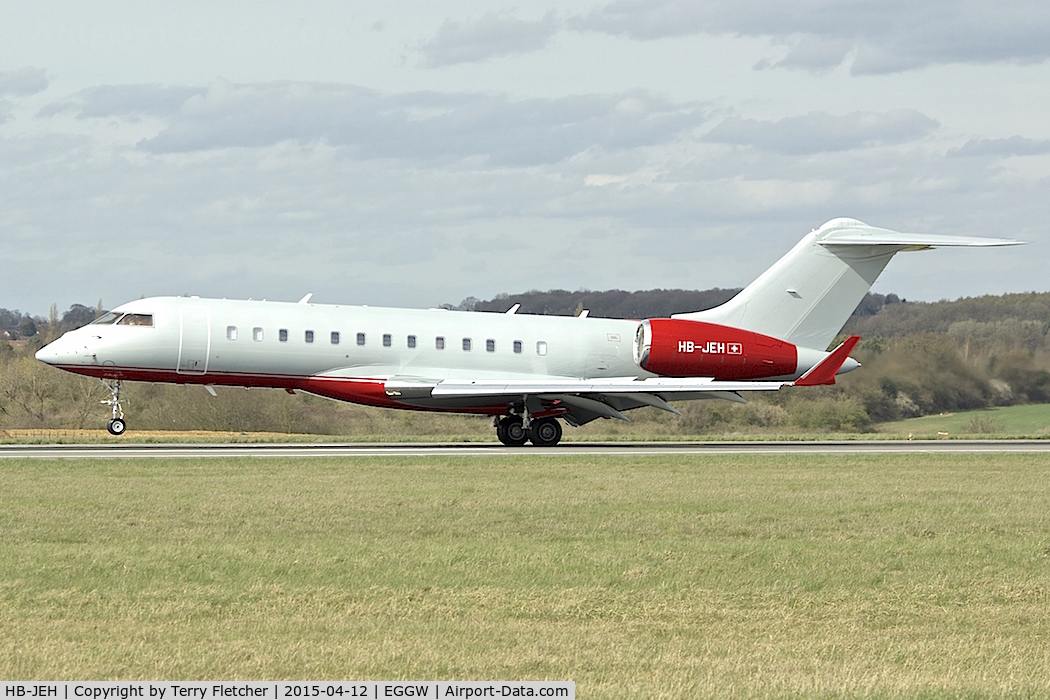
x=309, y=336
x=360, y=338
x=106, y=319
x=257, y=334
x=335, y=337
x=439, y=342
x=136, y=320
x=231, y=332
x=518, y=346
x=282, y=335
x=541, y=348
x=388, y=340
x=466, y=344
x=411, y=341
x=490, y=345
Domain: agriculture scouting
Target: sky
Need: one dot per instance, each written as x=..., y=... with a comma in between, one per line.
x=416, y=153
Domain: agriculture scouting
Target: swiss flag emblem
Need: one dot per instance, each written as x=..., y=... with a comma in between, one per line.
x=734, y=349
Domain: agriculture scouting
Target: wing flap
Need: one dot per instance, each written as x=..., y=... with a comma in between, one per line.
x=594, y=406
x=613, y=385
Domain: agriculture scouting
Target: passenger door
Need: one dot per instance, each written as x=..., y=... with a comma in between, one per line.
x=194, y=339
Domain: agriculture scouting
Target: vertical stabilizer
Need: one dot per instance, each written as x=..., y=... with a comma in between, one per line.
x=808, y=295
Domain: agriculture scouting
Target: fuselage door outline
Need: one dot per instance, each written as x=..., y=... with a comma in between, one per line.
x=194, y=340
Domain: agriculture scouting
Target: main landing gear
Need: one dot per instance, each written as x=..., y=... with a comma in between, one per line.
x=116, y=425
x=542, y=432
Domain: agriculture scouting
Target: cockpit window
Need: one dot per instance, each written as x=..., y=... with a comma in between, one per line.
x=106, y=319
x=136, y=320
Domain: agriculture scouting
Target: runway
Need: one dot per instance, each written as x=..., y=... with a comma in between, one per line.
x=300, y=450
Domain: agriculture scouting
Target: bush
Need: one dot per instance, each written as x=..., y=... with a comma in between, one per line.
x=839, y=414
x=981, y=424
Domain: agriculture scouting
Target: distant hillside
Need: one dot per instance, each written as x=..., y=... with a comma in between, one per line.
x=613, y=303
x=939, y=317
x=616, y=303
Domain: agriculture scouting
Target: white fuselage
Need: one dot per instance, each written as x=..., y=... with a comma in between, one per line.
x=316, y=347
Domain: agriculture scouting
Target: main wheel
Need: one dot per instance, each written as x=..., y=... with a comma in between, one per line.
x=545, y=432
x=116, y=426
x=511, y=432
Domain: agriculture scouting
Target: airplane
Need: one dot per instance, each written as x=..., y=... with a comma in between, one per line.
x=526, y=371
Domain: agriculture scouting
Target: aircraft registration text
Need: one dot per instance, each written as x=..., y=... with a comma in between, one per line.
x=711, y=347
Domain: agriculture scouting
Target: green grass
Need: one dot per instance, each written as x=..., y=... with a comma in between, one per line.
x=1031, y=420
x=890, y=575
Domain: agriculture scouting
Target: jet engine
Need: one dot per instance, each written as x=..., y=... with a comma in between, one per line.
x=674, y=347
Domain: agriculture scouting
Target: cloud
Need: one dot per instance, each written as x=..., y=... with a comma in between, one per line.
x=125, y=101
x=418, y=126
x=417, y=198
x=819, y=132
x=885, y=37
x=494, y=34
x=134, y=100
x=19, y=83
x=1002, y=148
x=24, y=82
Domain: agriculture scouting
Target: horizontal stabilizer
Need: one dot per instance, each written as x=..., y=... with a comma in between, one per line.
x=824, y=371
x=860, y=234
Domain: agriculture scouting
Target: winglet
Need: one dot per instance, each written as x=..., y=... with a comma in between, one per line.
x=824, y=371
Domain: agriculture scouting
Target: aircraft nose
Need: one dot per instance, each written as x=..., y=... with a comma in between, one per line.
x=47, y=354
x=62, y=351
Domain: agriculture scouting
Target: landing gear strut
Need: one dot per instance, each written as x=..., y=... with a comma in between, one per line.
x=542, y=432
x=116, y=425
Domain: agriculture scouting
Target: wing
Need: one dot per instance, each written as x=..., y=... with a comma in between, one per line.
x=580, y=401
x=577, y=400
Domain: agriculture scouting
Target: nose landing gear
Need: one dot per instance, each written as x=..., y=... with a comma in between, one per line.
x=116, y=425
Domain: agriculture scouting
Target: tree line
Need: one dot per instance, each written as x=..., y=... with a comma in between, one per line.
x=613, y=303
x=616, y=303
x=15, y=325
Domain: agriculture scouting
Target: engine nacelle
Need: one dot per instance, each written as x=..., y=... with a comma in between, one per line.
x=673, y=347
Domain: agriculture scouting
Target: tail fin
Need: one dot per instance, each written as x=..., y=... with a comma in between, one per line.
x=808, y=295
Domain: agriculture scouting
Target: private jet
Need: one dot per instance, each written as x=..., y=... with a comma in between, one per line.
x=529, y=372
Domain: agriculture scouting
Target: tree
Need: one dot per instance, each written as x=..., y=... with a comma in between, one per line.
x=77, y=316
x=30, y=386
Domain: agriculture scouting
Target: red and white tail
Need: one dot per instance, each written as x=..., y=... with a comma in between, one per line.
x=808, y=295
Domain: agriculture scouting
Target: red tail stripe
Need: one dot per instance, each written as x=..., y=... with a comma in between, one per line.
x=824, y=371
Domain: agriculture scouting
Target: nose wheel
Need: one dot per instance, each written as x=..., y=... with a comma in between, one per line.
x=116, y=424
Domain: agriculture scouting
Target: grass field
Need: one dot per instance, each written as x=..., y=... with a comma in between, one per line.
x=1030, y=420
x=383, y=425
x=886, y=575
